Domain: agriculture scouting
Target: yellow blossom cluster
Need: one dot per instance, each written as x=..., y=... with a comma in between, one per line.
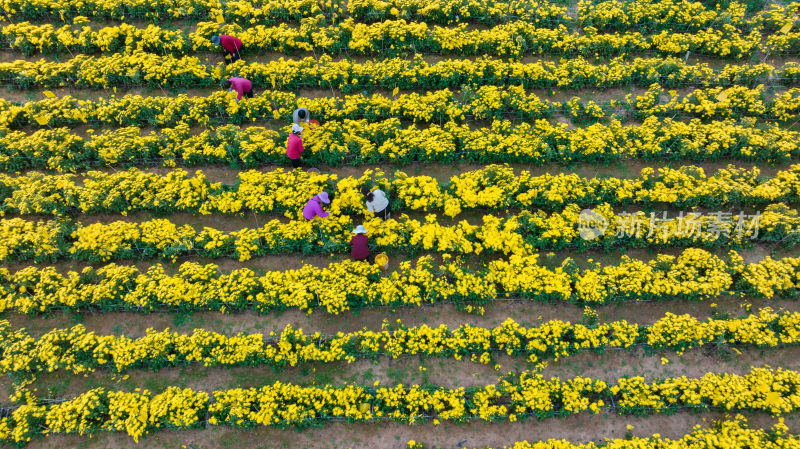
x=675, y=15
x=389, y=37
x=455, y=11
x=265, y=11
x=284, y=404
x=80, y=351
x=485, y=102
x=363, y=141
x=495, y=187
x=518, y=234
x=734, y=432
x=146, y=69
x=347, y=285
x=608, y=14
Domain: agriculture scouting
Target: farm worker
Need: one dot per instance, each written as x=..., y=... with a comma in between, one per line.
x=230, y=46
x=301, y=115
x=241, y=86
x=294, y=145
x=313, y=207
x=377, y=203
x=360, y=250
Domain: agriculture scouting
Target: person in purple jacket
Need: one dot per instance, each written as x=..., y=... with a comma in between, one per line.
x=313, y=207
x=241, y=86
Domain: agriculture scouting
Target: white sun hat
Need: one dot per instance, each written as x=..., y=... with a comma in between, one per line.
x=360, y=230
x=297, y=128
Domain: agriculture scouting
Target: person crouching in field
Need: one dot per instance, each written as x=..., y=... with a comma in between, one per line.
x=230, y=46
x=313, y=207
x=377, y=203
x=301, y=115
x=360, y=249
x=294, y=145
x=243, y=87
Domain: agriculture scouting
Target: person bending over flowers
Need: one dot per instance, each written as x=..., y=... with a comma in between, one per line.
x=294, y=145
x=301, y=115
x=377, y=203
x=230, y=46
x=360, y=249
x=242, y=86
x=313, y=207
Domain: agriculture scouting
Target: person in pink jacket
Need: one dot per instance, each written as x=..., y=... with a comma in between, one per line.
x=313, y=207
x=230, y=46
x=241, y=86
x=294, y=146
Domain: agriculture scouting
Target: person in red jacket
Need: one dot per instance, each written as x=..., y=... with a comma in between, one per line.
x=360, y=249
x=241, y=86
x=294, y=146
x=230, y=46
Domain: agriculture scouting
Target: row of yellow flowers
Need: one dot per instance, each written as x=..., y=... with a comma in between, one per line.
x=520, y=233
x=495, y=187
x=512, y=398
x=80, y=352
x=390, y=37
x=147, y=69
x=266, y=11
x=734, y=432
x=609, y=15
x=364, y=141
x=484, y=103
x=682, y=15
x=694, y=274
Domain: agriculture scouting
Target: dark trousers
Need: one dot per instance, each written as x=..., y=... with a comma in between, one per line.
x=367, y=260
x=384, y=214
x=234, y=56
x=295, y=162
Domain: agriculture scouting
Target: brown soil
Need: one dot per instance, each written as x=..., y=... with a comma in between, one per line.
x=526, y=313
x=415, y=370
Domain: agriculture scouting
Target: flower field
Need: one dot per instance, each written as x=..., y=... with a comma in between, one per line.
x=594, y=238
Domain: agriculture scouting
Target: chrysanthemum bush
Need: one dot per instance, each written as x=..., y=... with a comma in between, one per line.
x=514, y=397
x=519, y=234
x=146, y=69
x=362, y=141
x=387, y=38
x=606, y=15
x=694, y=274
x=482, y=103
x=493, y=188
x=265, y=12
x=80, y=351
x=732, y=431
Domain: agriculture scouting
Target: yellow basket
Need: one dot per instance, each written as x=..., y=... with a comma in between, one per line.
x=382, y=260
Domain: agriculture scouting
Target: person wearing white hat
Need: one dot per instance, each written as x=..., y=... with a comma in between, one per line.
x=360, y=249
x=294, y=145
x=301, y=115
